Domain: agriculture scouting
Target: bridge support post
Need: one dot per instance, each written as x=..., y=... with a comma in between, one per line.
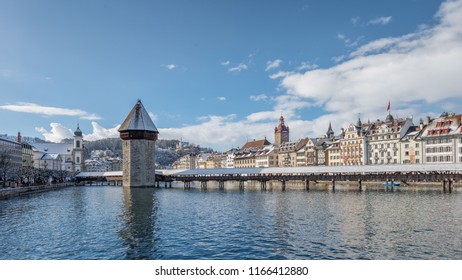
x=187, y=185
x=360, y=184
x=204, y=185
x=444, y=185
x=283, y=185
x=333, y=185
x=221, y=185
x=307, y=184
x=263, y=185
x=241, y=185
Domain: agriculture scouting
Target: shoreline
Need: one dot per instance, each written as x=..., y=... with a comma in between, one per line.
x=8, y=193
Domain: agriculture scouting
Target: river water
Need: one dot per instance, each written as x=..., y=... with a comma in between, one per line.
x=117, y=223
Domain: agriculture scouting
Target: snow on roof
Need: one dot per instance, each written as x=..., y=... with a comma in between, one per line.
x=326, y=169
x=54, y=148
x=138, y=119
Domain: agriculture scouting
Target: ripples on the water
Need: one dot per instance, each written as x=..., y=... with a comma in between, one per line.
x=117, y=223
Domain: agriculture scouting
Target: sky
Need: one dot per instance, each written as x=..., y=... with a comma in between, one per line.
x=218, y=73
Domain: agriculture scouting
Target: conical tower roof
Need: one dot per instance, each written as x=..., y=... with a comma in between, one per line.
x=138, y=119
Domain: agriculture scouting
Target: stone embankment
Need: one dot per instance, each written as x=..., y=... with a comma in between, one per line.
x=7, y=193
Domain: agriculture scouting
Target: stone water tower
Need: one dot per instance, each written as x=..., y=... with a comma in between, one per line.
x=139, y=135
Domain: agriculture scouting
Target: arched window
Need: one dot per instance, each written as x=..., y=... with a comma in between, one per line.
x=77, y=144
x=77, y=160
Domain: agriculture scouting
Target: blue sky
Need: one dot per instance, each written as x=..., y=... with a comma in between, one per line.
x=217, y=73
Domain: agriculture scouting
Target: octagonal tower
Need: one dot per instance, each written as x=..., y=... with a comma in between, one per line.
x=139, y=135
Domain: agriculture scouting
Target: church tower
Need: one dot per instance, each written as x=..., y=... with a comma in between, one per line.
x=281, y=133
x=330, y=132
x=139, y=135
x=77, y=152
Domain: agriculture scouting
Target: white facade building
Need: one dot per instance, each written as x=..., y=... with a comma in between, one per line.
x=442, y=139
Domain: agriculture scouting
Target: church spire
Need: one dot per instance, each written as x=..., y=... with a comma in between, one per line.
x=330, y=131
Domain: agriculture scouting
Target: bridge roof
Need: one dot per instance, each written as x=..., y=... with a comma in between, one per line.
x=326, y=169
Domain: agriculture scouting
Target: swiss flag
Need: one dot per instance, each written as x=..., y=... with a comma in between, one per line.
x=388, y=107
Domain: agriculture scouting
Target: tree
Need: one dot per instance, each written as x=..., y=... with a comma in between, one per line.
x=6, y=165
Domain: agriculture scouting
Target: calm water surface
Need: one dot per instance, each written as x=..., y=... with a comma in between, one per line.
x=117, y=223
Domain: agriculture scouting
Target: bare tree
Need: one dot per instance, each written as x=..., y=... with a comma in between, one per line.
x=6, y=165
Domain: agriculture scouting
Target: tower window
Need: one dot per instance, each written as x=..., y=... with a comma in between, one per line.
x=77, y=144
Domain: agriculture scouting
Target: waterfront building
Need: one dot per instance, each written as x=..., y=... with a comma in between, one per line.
x=266, y=157
x=139, y=135
x=320, y=150
x=215, y=160
x=185, y=162
x=245, y=159
x=230, y=155
x=281, y=133
x=201, y=160
x=411, y=146
x=353, y=144
x=49, y=161
x=442, y=139
x=287, y=154
x=384, y=140
x=333, y=154
x=27, y=153
x=300, y=153
x=10, y=158
x=310, y=151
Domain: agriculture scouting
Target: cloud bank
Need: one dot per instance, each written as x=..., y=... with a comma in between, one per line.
x=32, y=108
x=414, y=71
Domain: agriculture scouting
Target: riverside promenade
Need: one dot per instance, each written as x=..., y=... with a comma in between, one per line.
x=6, y=193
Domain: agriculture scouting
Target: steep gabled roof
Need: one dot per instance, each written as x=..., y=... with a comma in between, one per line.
x=256, y=144
x=138, y=119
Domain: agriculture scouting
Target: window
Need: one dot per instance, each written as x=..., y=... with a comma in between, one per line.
x=406, y=146
x=406, y=153
x=417, y=145
x=417, y=160
x=77, y=144
x=77, y=160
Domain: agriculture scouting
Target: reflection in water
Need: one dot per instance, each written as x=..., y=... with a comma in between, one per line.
x=122, y=223
x=138, y=230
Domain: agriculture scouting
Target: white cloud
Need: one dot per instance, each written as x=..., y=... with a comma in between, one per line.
x=380, y=21
x=100, y=132
x=57, y=133
x=169, y=66
x=221, y=98
x=418, y=68
x=225, y=63
x=307, y=66
x=260, y=97
x=279, y=74
x=153, y=116
x=240, y=67
x=355, y=20
x=273, y=64
x=32, y=108
x=349, y=42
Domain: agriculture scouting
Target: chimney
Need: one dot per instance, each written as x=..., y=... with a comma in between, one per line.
x=19, y=137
